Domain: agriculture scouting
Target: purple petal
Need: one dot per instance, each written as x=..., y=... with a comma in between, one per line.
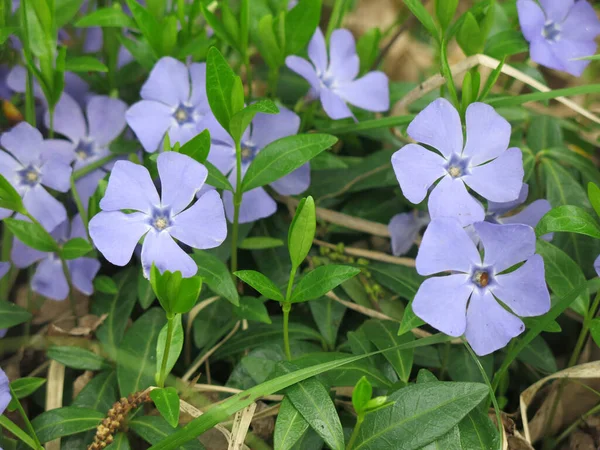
x=198, y=80
x=446, y=246
x=317, y=51
x=4, y=213
x=581, y=24
x=93, y=40
x=438, y=125
x=86, y=186
x=168, y=82
x=451, y=199
x=343, y=60
x=267, y=128
x=160, y=248
x=540, y=51
x=500, y=180
x=23, y=256
x=24, y=142
x=556, y=10
x=106, y=118
x=130, y=187
x=293, y=183
x=150, y=120
x=180, y=178
x=488, y=134
x=56, y=175
x=489, y=326
x=61, y=231
x=49, y=279
x=58, y=149
x=524, y=291
x=5, y=396
x=4, y=268
x=370, y=92
x=8, y=167
x=182, y=133
x=334, y=105
x=202, y=225
x=77, y=229
x=83, y=271
x=505, y=245
x=222, y=157
x=530, y=215
x=256, y=204
x=404, y=229
x=116, y=234
x=597, y=265
x=305, y=69
x=442, y=303
x=76, y=88
x=68, y=119
x=17, y=81
x=416, y=169
x=531, y=18
x=45, y=208
x=504, y=207
x=567, y=51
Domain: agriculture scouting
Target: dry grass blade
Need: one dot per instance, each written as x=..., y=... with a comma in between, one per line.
x=54, y=394
x=370, y=254
x=241, y=424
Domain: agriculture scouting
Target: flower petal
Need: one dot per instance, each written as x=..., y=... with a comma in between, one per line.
x=86, y=186
x=202, y=225
x=198, y=84
x=505, y=245
x=17, y=81
x=334, y=106
x=531, y=18
x=76, y=88
x=488, y=134
x=56, y=175
x=416, y=169
x=438, y=125
x=24, y=142
x=68, y=119
x=23, y=256
x=597, y=265
x=489, y=326
x=106, y=119
x=500, y=180
x=556, y=10
x=129, y=187
x=45, y=208
x=168, y=82
x=530, y=215
x=149, y=120
x=404, y=229
x=317, y=51
x=4, y=268
x=77, y=229
x=222, y=156
x=115, y=234
x=540, y=51
x=180, y=178
x=504, y=207
x=58, y=149
x=9, y=167
x=267, y=128
x=293, y=183
x=567, y=51
x=182, y=133
x=83, y=271
x=256, y=204
x=160, y=248
x=49, y=279
x=451, y=199
x=446, y=246
x=581, y=24
x=305, y=69
x=370, y=92
x=524, y=291
x=5, y=395
x=442, y=303
x=344, y=63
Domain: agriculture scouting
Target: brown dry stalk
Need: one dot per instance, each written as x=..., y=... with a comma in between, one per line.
x=369, y=254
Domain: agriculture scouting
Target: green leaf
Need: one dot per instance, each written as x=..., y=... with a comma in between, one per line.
x=216, y=178
x=65, y=10
x=474, y=432
x=252, y=308
x=76, y=248
x=290, y=426
x=84, y=64
x=462, y=367
x=105, y=285
x=11, y=315
x=409, y=320
x=383, y=335
x=100, y=393
x=267, y=43
x=167, y=403
x=572, y=219
x=9, y=197
x=32, y=235
x=176, y=346
x=367, y=49
x=594, y=197
x=423, y=16
x=240, y=120
x=284, y=156
x=362, y=393
x=217, y=27
x=313, y=402
x=301, y=22
x=77, y=358
x=136, y=361
x=154, y=429
x=260, y=243
x=261, y=283
x=506, y=43
x=320, y=281
x=220, y=80
x=469, y=37
x=544, y=132
x=539, y=355
x=65, y=421
x=327, y=314
x=198, y=147
x=595, y=330
x=144, y=290
x=177, y=295
x=216, y=275
x=107, y=17
x=515, y=100
x=302, y=231
x=421, y=413
x=120, y=442
x=444, y=11
x=24, y=387
x=147, y=24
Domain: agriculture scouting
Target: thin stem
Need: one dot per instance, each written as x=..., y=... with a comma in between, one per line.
x=18, y=432
x=575, y=424
x=286, y=307
x=248, y=76
x=92, y=166
x=290, y=285
x=359, y=420
x=237, y=202
x=51, y=124
x=80, y=208
x=337, y=15
x=70, y=283
x=163, y=366
x=5, y=283
x=25, y=419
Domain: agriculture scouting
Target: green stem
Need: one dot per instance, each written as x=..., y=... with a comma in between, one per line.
x=273, y=81
x=337, y=15
x=70, y=283
x=92, y=166
x=248, y=77
x=237, y=202
x=359, y=420
x=26, y=420
x=51, y=127
x=163, y=366
x=5, y=284
x=286, y=307
x=290, y=285
x=14, y=429
x=447, y=74
x=80, y=208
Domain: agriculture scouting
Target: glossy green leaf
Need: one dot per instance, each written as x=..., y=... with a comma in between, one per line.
x=9, y=197
x=216, y=275
x=260, y=243
x=32, y=235
x=84, y=64
x=594, y=197
x=177, y=295
x=367, y=49
x=469, y=36
x=24, y=387
x=220, y=80
x=105, y=285
x=106, y=17
x=474, y=432
x=198, y=147
x=120, y=442
x=241, y=120
x=506, y=43
x=65, y=421
x=147, y=24
x=167, y=403
x=261, y=283
x=176, y=346
x=252, y=308
x=328, y=315
x=11, y=315
x=100, y=393
x=544, y=132
x=217, y=26
x=444, y=11
x=595, y=330
x=76, y=248
x=320, y=281
x=77, y=358
x=65, y=10
x=268, y=44
x=409, y=320
x=301, y=22
x=289, y=427
x=423, y=16
x=571, y=219
x=144, y=290
x=361, y=394
x=539, y=355
x=302, y=231
x=384, y=335
x=462, y=367
x=154, y=429
x=216, y=178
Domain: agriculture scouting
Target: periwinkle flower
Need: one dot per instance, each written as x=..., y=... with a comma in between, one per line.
x=597, y=265
x=31, y=163
x=264, y=129
x=467, y=301
x=5, y=396
x=89, y=140
x=159, y=219
x=49, y=279
x=173, y=101
x=484, y=163
x=333, y=78
x=560, y=32
x=404, y=229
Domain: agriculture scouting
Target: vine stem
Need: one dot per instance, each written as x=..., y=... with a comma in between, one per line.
x=92, y=166
x=26, y=420
x=80, y=208
x=237, y=202
x=163, y=366
x=70, y=283
x=359, y=420
x=287, y=307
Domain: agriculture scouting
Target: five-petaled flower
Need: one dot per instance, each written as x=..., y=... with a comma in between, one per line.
x=89, y=141
x=264, y=129
x=49, y=279
x=560, y=32
x=31, y=164
x=160, y=219
x=404, y=229
x=333, y=78
x=484, y=163
x=174, y=101
x=466, y=301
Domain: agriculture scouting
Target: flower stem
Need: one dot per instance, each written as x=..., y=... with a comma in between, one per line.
x=51, y=127
x=163, y=366
x=70, y=283
x=237, y=202
x=80, y=207
x=286, y=307
x=359, y=420
x=248, y=76
x=26, y=420
x=336, y=18
x=92, y=166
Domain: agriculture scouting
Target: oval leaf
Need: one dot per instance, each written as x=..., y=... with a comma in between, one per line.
x=290, y=426
x=76, y=248
x=32, y=235
x=11, y=315
x=66, y=421
x=77, y=358
x=321, y=280
x=572, y=219
x=261, y=283
x=167, y=403
x=216, y=275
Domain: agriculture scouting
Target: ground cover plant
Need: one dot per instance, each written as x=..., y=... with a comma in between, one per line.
x=299, y=224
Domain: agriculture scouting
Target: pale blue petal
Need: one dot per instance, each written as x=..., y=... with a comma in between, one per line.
x=505, y=245
x=181, y=177
x=451, y=199
x=416, y=169
x=160, y=248
x=130, y=187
